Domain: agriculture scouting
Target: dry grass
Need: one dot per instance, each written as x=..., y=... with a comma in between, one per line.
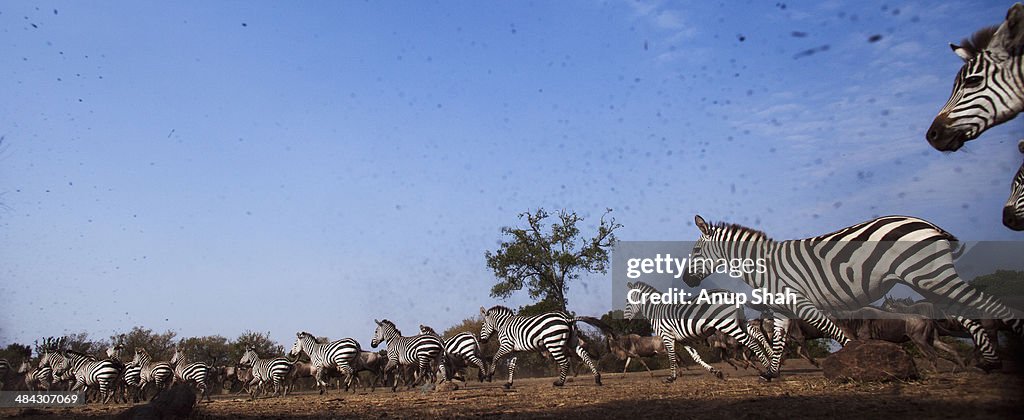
x=802, y=393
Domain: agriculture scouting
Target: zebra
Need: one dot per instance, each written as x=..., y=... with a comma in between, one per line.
x=39, y=379
x=844, y=270
x=195, y=372
x=989, y=89
x=132, y=378
x=554, y=332
x=687, y=322
x=266, y=370
x=419, y=349
x=87, y=371
x=1013, y=210
x=158, y=373
x=5, y=368
x=338, y=355
x=461, y=348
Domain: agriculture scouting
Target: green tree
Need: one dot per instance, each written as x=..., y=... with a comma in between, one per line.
x=545, y=262
x=624, y=326
x=15, y=352
x=265, y=347
x=212, y=349
x=159, y=346
x=1001, y=283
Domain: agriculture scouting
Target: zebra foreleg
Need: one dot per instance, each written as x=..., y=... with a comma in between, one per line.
x=503, y=350
x=511, y=372
x=673, y=362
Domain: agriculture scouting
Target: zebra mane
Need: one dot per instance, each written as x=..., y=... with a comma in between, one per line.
x=978, y=41
x=392, y=324
x=499, y=308
x=644, y=287
x=77, y=353
x=740, y=228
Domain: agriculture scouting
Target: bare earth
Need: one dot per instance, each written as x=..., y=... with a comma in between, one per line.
x=802, y=393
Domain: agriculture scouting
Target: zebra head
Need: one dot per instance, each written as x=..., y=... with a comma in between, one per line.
x=1013, y=210
x=302, y=341
x=633, y=307
x=249, y=358
x=51, y=359
x=114, y=352
x=718, y=245
x=385, y=331
x=60, y=362
x=988, y=90
x=177, y=357
x=141, y=357
x=492, y=319
x=424, y=329
x=24, y=367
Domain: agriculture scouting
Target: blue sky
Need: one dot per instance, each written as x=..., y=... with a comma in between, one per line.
x=212, y=167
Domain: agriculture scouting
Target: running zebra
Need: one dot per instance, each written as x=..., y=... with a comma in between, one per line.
x=989, y=89
x=461, y=348
x=159, y=374
x=843, y=271
x=87, y=371
x=39, y=379
x=1013, y=211
x=554, y=332
x=420, y=350
x=197, y=373
x=679, y=322
x=339, y=355
x=266, y=370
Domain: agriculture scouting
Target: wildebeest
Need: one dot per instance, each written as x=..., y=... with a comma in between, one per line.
x=872, y=323
x=633, y=346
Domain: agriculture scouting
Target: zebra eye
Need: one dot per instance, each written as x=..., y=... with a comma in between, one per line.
x=973, y=81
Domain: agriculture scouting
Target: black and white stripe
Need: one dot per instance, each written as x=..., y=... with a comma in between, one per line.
x=194, y=372
x=1013, y=210
x=273, y=371
x=5, y=368
x=339, y=355
x=88, y=371
x=989, y=89
x=419, y=350
x=554, y=332
x=461, y=350
x=679, y=322
x=843, y=271
x=160, y=374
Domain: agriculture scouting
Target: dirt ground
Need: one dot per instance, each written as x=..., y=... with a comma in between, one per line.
x=802, y=393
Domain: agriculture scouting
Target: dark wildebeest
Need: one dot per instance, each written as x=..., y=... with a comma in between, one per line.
x=872, y=323
x=633, y=346
x=373, y=362
x=799, y=332
x=947, y=325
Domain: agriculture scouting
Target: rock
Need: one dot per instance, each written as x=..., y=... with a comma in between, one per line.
x=870, y=360
x=173, y=403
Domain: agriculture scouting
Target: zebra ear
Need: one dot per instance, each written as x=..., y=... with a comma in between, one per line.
x=1010, y=36
x=483, y=311
x=378, y=322
x=702, y=225
x=1020, y=146
x=961, y=52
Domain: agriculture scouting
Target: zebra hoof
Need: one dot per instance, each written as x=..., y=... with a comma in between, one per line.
x=558, y=383
x=597, y=380
x=988, y=366
x=765, y=377
x=718, y=374
x=507, y=385
x=669, y=379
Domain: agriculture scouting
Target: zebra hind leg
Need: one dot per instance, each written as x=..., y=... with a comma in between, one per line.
x=590, y=363
x=696, y=358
